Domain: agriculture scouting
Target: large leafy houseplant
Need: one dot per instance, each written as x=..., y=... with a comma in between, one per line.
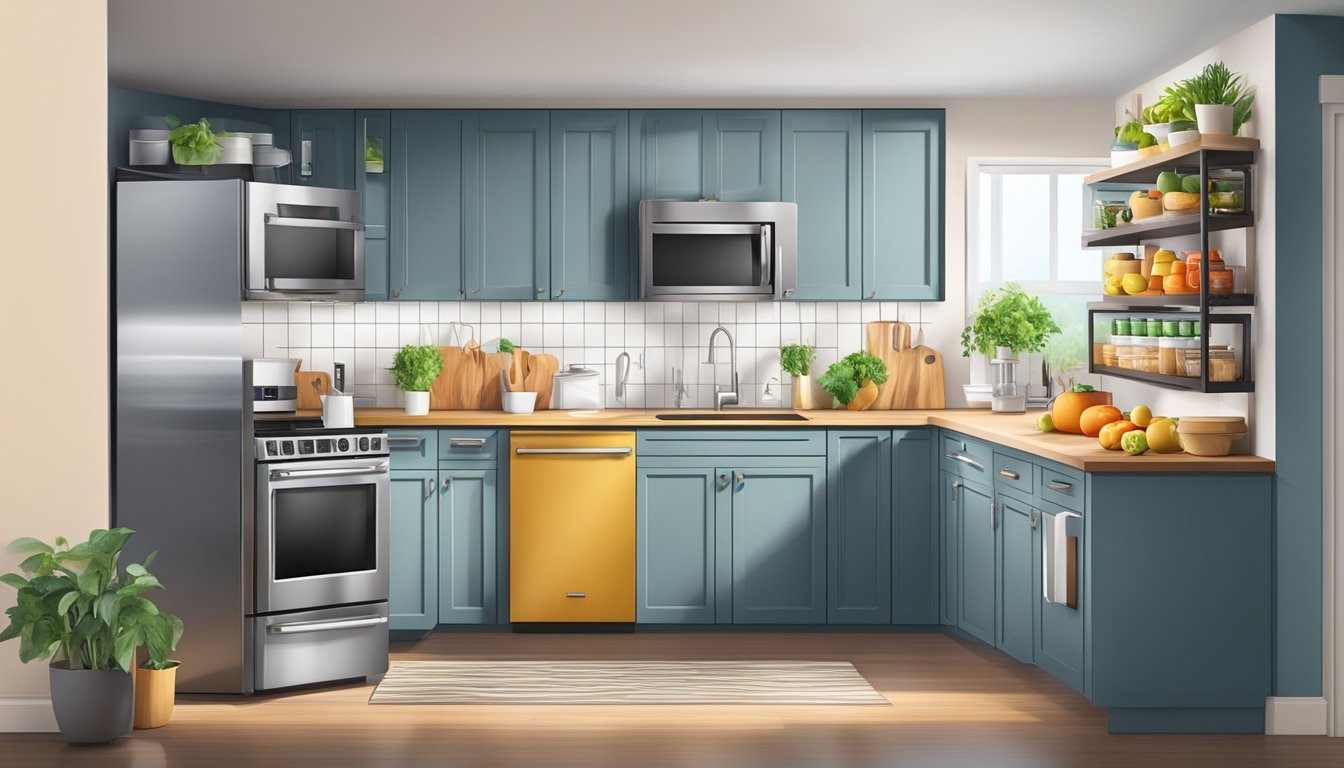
x=1215, y=85
x=853, y=380
x=1009, y=317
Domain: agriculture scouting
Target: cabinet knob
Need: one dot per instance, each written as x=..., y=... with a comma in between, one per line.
x=741, y=478
x=872, y=293
x=396, y=293
x=447, y=482
x=429, y=485
x=723, y=479
x=475, y=291
x=561, y=293
x=541, y=290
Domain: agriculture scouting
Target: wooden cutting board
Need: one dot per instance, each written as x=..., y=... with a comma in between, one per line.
x=310, y=385
x=443, y=395
x=470, y=379
x=541, y=370
x=914, y=374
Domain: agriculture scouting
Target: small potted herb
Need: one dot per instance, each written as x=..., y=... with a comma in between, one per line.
x=853, y=381
x=1006, y=322
x=193, y=143
x=1220, y=100
x=414, y=369
x=796, y=360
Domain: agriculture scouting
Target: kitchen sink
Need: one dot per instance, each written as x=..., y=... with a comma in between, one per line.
x=757, y=416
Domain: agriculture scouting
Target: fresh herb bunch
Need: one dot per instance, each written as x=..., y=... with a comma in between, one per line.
x=1009, y=317
x=193, y=143
x=843, y=379
x=415, y=368
x=76, y=600
x=507, y=346
x=796, y=359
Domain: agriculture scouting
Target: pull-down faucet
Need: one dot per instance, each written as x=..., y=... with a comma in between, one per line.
x=725, y=395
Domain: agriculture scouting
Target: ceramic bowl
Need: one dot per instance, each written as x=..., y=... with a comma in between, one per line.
x=1177, y=138
x=520, y=402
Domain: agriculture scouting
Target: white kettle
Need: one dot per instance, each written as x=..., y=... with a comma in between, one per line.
x=338, y=410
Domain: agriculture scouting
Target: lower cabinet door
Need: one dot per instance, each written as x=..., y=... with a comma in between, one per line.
x=779, y=544
x=1019, y=578
x=858, y=540
x=413, y=568
x=466, y=546
x=1060, y=648
x=674, y=531
x=914, y=528
x=978, y=571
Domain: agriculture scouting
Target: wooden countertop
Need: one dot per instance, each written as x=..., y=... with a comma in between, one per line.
x=1012, y=430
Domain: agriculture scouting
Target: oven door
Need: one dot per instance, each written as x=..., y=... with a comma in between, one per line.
x=708, y=259
x=321, y=533
x=304, y=243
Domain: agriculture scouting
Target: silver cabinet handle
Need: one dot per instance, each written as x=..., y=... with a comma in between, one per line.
x=447, y=483
x=299, y=627
x=290, y=221
x=991, y=516
x=723, y=479
x=1033, y=520
x=396, y=293
x=475, y=291
x=467, y=442
x=872, y=294
x=1010, y=474
x=405, y=443
x=429, y=485
x=575, y=451
x=953, y=455
x=561, y=293
x=741, y=478
x=282, y=474
x=541, y=290
x=576, y=594
x=1056, y=485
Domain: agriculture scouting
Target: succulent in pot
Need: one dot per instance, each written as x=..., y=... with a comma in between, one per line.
x=853, y=381
x=414, y=369
x=1217, y=99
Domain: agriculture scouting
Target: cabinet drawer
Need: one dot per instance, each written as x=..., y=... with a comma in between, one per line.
x=1063, y=486
x=468, y=445
x=967, y=458
x=734, y=442
x=413, y=448
x=1014, y=473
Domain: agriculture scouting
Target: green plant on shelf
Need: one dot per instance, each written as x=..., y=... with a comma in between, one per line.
x=1215, y=84
x=1009, y=317
x=193, y=143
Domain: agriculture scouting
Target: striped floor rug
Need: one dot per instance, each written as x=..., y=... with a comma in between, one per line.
x=625, y=682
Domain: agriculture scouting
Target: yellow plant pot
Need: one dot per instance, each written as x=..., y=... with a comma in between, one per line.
x=155, y=690
x=866, y=397
x=802, y=393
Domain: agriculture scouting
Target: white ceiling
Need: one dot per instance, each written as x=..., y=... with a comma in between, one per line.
x=409, y=53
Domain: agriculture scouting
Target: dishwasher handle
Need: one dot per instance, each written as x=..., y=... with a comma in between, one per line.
x=574, y=451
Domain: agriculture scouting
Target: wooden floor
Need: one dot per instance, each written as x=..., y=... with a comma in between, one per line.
x=954, y=703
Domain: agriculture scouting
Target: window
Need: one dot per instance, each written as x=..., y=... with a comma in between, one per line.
x=1024, y=221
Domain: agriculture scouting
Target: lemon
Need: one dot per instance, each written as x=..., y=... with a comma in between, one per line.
x=1134, y=284
x=1046, y=422
x=1142, y=416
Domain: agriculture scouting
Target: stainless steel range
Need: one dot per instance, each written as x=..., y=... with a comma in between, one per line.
x=321, y=554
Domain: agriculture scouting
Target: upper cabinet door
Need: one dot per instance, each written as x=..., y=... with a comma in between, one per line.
x=509, y=231
x=373, y=182
x=667, y=155
x=430, y=155
x=322, y=142
x=742, y=161
x=590, y=191
x=903, y=168
x=822, y=173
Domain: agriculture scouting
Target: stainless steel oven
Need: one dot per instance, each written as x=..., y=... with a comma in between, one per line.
x=303, y=243
x=717, y=251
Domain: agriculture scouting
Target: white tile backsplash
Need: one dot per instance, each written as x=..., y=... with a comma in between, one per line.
x=660, y=337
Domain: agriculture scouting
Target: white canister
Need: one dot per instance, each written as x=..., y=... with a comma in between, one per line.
x=578, y=388
x=235, y=149
x=148, y=152
x=520, y=402
x=338, y=410
x=417, y=403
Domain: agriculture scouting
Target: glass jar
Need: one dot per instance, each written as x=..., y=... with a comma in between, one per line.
x=1193, y=263
x=1223, y=365
x=1184, y=345
x=1171, y=328
x=1168, y=349
x=1120, y=326
x=1184, y=328
x=1145, y=345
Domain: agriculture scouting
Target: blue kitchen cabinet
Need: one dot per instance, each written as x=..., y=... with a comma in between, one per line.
x=903, y=170
x=859, y=516
x=508, y=231
x=821, y=171
x=322, y=143
x=1019, y=584
x=778, y=542
x=744, y=155
x=914, y=528
x=977, y=561
x=1060, y=643
x=590, y=247
x=373, y=182
x=431, y=156
x=669, y=155
x=675, y=528
x=467, y=545
x=949, y=534
x=413, y=567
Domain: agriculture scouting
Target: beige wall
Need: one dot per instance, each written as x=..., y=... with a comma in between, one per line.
x=1250, y=53
x=53, y=320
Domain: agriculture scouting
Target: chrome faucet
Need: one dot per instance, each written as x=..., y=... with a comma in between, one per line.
x=725, y=395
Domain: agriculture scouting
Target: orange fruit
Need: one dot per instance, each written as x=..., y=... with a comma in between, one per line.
x=1096, y=417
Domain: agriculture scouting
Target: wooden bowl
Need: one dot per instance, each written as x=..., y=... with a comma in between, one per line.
x=1212, y=425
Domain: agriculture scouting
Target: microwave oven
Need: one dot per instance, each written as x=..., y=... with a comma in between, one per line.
x=303, y=243
x=714, y=251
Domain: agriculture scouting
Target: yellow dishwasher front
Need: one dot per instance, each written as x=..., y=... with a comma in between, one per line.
x=572, y=526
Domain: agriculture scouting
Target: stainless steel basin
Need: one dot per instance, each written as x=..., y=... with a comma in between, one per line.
x=732, y=416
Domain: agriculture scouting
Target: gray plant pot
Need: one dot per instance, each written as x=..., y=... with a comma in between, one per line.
x=92, y=705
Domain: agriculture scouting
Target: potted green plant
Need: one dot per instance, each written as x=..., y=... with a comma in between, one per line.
x=414, y=368
x=77, y=607
x=156, y=679
x=1007, y=322
x=193, y=143
x=1217, y=100
x=853, y=381
x=796, y=360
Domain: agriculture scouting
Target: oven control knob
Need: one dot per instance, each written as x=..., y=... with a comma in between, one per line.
x=287, y=448
x=377, y=444
x=342, y=445
x=363, y=443
x=324, y=446
x=305, y=446
x=272, y=448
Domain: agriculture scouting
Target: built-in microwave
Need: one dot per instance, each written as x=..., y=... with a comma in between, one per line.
x=303, y=243
x=713, y=251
